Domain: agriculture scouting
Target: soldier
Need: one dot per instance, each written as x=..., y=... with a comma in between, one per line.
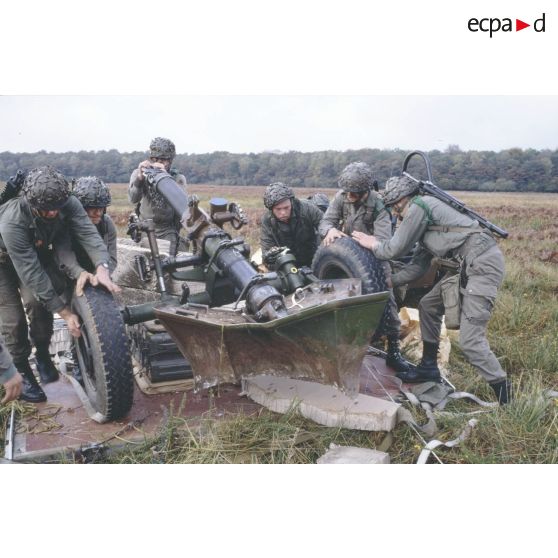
x=356, y=207
x=10, y=378
x=289, y=222
x=151, y=204
x=320, y=200
x=443, y=232
x=94, y=196
x=30, y=226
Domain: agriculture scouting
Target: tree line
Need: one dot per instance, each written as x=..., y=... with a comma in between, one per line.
x=510, y=170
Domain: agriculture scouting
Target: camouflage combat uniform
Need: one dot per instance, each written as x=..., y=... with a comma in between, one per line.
x=28, y=269
x=424, y=223
x=154, y=206
x=369, y=217
x=299, y=234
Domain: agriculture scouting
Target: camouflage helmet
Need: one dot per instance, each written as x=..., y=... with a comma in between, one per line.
x=356, y=177
x=92, y=192
x=398, y=187
x=162, y=148
x=46, y=188
x=275, y=193
x=320, y=200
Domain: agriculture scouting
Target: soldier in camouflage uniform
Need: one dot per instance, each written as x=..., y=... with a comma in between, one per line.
x=151, y=204
x=290, y=222
x=443, y=232
x=30, y=226
x=10, y=378
x=94, y=196
x=357, y=207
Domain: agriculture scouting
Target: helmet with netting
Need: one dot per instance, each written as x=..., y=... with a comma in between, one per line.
x=398, y=187
x=92, y=192
x=357, y=178
x=162, y=148
x=275, y=193
x=319, y=199
x=46, y=188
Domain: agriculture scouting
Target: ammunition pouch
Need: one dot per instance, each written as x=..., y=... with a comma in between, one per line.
x=450, y=287
x=451, y=295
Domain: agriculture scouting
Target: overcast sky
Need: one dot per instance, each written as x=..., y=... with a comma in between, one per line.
x=200, y=124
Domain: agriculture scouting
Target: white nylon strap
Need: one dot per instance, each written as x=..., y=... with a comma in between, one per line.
x=433, y=444
x=91, y=412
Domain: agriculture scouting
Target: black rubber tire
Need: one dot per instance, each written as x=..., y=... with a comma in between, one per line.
x=103, y=353
x=346, y=258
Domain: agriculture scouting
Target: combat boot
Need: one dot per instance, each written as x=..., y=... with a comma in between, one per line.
x=503, y=391
x=427, y=370
x=45, y=366
x=394, y=358
x=30, y=390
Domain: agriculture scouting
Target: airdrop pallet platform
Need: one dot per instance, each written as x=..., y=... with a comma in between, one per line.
x=62, y=431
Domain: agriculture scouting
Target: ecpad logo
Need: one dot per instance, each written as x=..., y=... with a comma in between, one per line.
x=492, y=25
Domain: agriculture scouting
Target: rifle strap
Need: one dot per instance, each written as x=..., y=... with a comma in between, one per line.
x=445, y=229
x=417, y=200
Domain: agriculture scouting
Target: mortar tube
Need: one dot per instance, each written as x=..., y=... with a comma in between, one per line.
x=241, y=273
x=165, y=185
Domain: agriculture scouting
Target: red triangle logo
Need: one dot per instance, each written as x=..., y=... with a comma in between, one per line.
x=519, y=25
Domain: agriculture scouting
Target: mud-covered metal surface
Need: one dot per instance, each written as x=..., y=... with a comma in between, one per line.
x=324, y=337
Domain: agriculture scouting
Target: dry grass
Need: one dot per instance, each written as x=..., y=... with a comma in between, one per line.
x=261, y=438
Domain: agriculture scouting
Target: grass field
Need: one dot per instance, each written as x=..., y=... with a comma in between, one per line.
x=522, y=333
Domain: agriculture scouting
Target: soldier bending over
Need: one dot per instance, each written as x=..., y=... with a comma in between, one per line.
x=442, y=231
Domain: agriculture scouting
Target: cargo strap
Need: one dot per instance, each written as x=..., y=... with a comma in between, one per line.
x=432, y=396
x=83, y=397
x=425, y=395
x=466, y=432
x=433, y=444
